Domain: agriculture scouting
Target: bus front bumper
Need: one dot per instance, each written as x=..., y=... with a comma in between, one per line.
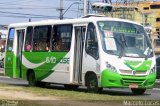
x=110, y=79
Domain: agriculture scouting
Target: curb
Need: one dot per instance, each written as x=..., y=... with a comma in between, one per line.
x=157, y=84
x=158, y=89
x=158, y=81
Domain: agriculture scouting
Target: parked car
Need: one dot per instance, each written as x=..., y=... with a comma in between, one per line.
x=158, y=67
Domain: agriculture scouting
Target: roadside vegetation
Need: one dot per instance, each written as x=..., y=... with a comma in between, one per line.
x=60, y=92
x=60, y=97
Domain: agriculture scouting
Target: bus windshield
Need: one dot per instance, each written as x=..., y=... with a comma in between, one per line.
x=124, y=39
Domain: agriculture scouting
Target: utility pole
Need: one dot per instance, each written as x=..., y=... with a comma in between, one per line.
x=88, y=7
x=85, y=4
x=107, y=1
x=29, y=20
x=125, y=2
x=61, y=10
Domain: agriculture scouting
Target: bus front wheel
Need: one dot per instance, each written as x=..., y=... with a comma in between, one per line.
x=71, y=87
x=92, y=84
x=138, y=91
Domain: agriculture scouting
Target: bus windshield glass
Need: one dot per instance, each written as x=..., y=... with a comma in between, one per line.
x=124, y=39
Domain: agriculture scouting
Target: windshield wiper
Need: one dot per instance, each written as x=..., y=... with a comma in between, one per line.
x=147, y=52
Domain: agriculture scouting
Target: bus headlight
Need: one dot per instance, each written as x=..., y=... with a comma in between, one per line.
x=110, y=67
x=153, y=70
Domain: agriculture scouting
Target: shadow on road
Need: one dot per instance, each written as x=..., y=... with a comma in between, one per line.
x=112, y=92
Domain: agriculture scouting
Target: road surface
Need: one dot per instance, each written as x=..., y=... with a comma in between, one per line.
x=151, y=94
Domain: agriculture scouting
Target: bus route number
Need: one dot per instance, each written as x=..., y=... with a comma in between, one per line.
x=54, y=60
x=50, y=60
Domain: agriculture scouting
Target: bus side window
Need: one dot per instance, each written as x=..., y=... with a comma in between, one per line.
x=28, y=39
x=61, y=39
x=41, y=38
x=10, y=39
x=91, y=41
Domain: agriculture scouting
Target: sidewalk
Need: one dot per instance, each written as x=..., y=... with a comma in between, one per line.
x=1, y=72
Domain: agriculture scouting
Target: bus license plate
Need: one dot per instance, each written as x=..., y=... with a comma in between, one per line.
x=133, y=86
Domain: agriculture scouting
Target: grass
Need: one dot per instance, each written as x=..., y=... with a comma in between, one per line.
x=66, y=97
x=64, y=94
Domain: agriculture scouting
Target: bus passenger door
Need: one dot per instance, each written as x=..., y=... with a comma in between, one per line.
x=9, y=53
x=20, y=37
x=91, y=61
x=78, y=53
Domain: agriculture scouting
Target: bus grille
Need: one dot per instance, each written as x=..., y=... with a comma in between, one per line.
x=128, y=81
x=129, y=72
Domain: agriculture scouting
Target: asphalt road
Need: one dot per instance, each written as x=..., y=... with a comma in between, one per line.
x=151, y=94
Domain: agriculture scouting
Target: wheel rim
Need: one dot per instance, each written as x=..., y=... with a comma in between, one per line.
x=31, y=79
x=93, y=84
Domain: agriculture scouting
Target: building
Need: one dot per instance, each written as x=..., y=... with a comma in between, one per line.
x=144, y=12
x=151, y=12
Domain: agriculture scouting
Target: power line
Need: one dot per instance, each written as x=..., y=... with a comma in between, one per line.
x=27, y=5
x=19, y=16
x=15, y=4
x=73, y=0
x=41, y=9
x=10, y=1
x=24, y=14
x=26, y=8
x=18, y=1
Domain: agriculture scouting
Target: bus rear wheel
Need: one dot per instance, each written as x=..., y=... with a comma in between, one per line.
x=31, y=79
x=92, y=84
x=40, y=84
x=138, y=91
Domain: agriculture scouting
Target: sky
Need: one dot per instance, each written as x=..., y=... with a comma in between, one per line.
x=15, y=11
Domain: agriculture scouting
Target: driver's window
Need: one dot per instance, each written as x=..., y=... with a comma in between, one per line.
x=10, y=39
x=91, y=41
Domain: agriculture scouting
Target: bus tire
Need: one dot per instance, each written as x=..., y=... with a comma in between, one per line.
x=71, y=87
x=92, y=84
x=31, y=79
x=40, y=84
x=138, y=91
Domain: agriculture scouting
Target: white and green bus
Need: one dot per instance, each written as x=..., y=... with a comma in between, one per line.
x=96, y=52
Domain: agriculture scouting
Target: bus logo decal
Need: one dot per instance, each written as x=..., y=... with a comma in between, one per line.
x=29, y=64
x=134, y=72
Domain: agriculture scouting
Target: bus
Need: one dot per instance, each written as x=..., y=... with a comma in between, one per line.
x=96, y=52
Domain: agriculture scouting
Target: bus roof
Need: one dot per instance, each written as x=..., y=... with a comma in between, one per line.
x=69, y=21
